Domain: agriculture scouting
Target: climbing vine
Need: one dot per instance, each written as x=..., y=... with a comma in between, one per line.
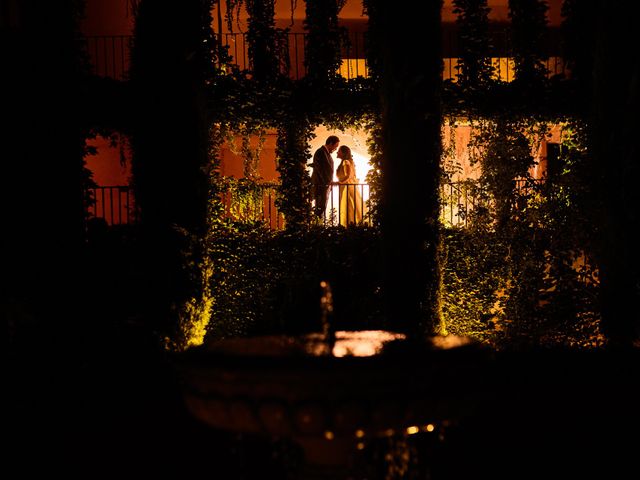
x=519, y=272
x=292, y=151
x=522, y=269
x=528, y=28
x=474, y=65
x=324, y=40
x=250, y=155
x=268, y=50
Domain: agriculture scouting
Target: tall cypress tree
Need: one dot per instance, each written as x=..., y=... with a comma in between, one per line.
x=617, y=166
x=322, y=50
x=411, y=120
x=475, y=69
x=261, y=38
x=170, y=136
x=43, y=146
x=528, y=28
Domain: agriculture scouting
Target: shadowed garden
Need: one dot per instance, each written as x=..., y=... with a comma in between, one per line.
x=122, y=338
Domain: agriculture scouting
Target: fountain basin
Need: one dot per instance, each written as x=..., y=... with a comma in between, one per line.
x=366, y=383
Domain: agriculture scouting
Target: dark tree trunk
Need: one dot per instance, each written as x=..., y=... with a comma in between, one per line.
x=322, y=49
x=411, y=166
x=617, y=163
x=578, y=43
x=474, y=62
x=294, y=193
x=261, y=38
x=170, y=137
x=528, y=28
x=43, y=146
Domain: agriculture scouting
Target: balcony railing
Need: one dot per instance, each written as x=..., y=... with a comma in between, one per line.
x=254, y=203
x=347, y=205
x=257, y=204
x=459, y=200
x=113, y=204
x=110, y=56
x=353, y=54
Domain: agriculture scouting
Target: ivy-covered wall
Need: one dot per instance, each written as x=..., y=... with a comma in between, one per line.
x=522, y=271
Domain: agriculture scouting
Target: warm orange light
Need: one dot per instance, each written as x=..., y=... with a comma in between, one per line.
x=353, y=68
x=362, y=343
x=356, y=139
x=329, y=435
x=412, y=430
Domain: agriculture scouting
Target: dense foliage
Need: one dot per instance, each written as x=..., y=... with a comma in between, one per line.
x=269, y=281
x=520, y=271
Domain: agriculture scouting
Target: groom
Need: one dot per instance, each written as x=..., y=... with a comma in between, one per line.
x=322, y=175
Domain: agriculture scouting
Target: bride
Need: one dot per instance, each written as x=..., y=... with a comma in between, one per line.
x=350, y=195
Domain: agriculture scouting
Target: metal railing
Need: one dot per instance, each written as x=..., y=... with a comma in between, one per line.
x=460, y=200
x=456, y=202
x=110, y=56
x=353, y=54
x=256, y=204
x=114, y=204
x=504, y=68
x=347, y=203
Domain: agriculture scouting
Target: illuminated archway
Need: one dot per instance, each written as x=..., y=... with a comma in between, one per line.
x=356, y=140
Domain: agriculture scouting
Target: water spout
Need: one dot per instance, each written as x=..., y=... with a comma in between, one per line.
x=326, y=309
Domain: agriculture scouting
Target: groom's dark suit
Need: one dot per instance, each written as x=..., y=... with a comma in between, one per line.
x=321, y=178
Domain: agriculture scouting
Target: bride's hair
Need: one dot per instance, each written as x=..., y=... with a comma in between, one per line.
x=346, y=152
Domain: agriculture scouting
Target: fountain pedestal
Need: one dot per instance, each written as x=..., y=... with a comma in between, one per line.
x=370, y=384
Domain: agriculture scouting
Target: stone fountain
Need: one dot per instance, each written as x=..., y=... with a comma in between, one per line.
x=333, y=390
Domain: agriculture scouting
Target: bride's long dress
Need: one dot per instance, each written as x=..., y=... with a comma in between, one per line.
x=350, y=195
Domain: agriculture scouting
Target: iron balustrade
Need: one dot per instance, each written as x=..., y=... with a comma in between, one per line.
x=257, y=203
x=345, y=213
x=459, y=200
x=113, y=204
x=110, y=56
x=504, y=68
x=456, y=202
